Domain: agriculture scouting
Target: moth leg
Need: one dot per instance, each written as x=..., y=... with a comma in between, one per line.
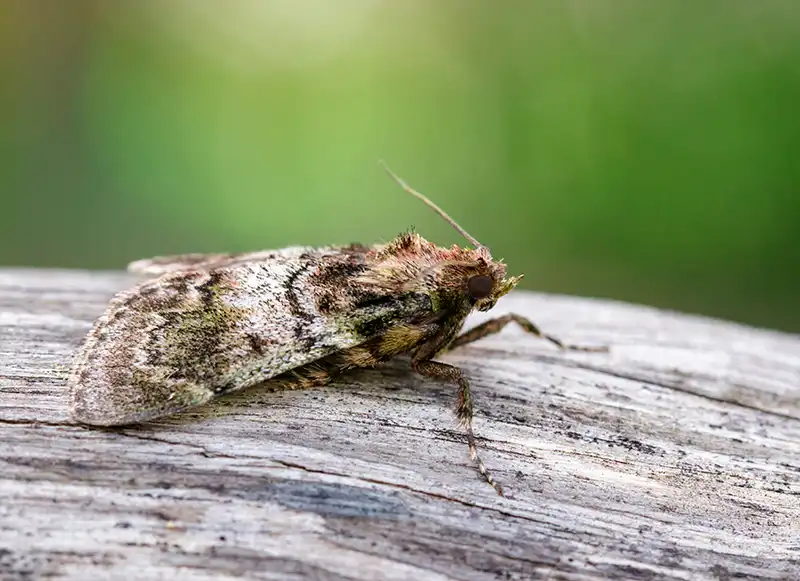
x=306, y=377
x=493, y=326
x=451, y=374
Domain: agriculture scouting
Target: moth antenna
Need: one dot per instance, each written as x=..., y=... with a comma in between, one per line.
x=433, y=206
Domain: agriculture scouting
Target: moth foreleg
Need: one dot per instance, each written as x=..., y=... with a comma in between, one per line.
x=493, y=326
x=451, y=374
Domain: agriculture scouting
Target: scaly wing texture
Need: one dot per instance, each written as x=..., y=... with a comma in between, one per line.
x=179, y=340
x=163, y=264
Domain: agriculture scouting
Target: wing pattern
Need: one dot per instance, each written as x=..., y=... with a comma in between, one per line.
x=211, y=324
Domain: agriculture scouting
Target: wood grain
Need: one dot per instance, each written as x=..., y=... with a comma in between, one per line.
x=675, y=456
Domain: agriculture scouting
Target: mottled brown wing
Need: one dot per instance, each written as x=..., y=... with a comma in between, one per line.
x=181, y=339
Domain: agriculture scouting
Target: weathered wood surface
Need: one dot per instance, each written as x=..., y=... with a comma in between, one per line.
x=676, y=456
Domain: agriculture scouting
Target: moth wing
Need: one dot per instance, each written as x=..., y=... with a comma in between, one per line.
x=159, y=265
x=180, y=340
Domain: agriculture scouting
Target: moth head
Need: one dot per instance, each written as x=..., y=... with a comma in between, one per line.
x=477, y=274
x=486, y=282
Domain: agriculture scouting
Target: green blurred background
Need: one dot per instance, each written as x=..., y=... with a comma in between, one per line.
x=645, y=151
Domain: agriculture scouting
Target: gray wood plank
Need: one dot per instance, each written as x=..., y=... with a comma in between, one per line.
x=675, y=456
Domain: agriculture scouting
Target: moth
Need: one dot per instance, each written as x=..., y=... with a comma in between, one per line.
x=212, y=324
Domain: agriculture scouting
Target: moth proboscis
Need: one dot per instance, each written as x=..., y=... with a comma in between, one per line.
x=211, y=324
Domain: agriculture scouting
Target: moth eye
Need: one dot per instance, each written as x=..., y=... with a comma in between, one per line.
x=480, y=286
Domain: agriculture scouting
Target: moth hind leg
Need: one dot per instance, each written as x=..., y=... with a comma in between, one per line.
x=493, y=326
x=314, y=374
x=448, y=373
x=325, y=370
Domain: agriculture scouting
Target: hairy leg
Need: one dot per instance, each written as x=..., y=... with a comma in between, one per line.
x=493, y=326
x=448, y=373
x=325, y=370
